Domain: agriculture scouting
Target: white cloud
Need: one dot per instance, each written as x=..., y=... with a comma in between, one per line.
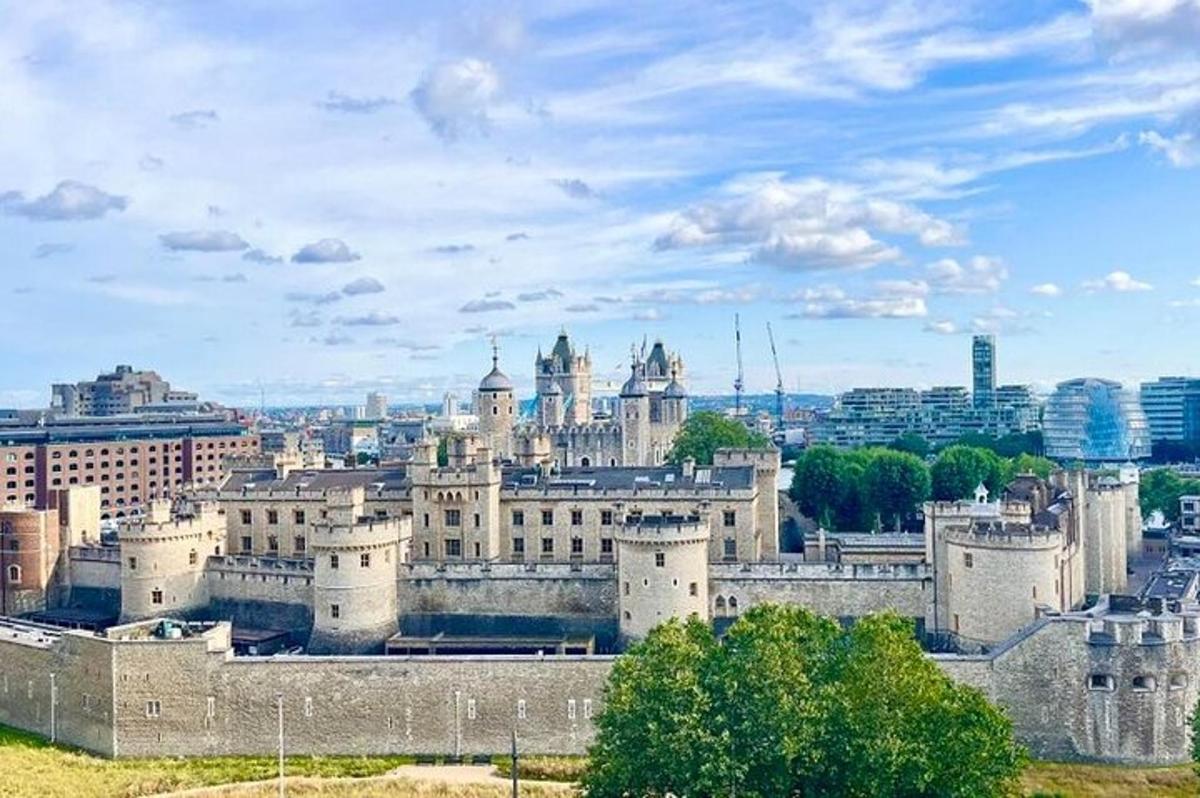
x=943, y=327
x=69, y=201
x=203, y=241
x=804, y=224
x=344, y=103
x=833, y=303
x=194, y=120
x=372, y=319
x=1046, y=289
x=979, y=275
x=1119, y=281
x=327, y=250
x=454, y=96
x=363, y=285
x=1145, y=24
x=1182, y=149
x=486, y=306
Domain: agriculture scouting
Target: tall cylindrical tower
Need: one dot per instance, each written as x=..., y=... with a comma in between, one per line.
x=497, y=410
x=662, y=571
x=354, y=577
x=635, y=420
x=163, y=554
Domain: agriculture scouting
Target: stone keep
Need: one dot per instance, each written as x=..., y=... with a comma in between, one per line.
x=354, y=577
x=662, y=570
x=163, y=554
x=497, y=410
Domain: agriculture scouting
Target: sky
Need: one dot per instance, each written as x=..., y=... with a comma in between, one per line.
x=306, y=201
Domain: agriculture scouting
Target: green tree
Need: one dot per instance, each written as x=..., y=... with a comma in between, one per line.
x=1161, y=488
x=1033, y=464
x=653, y=737
x=896, y=483
x=911, y=443
x=705, y=432
x=443, y=452
x=894, y=724
x=960, y=469
x=789, y=704
x=817, y=482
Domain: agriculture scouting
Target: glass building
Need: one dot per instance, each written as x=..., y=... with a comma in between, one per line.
x=1095, y=421
x=983, y=370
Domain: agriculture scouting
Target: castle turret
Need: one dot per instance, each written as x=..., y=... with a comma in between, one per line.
x=675, y=404
x=354, y=577
x=550, y=406
x=662, y=569
x=497, y=410
x=635, y=420
x=163, y=554
x=456, y=509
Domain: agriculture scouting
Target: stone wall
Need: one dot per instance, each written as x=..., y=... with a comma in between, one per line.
x=557, y=589
x=94, y=578
x=260, y=593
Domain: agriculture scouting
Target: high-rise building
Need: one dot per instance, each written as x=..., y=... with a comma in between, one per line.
x=118, y=392
x=377, y=406
x=983, y=370
x=1095, y=421
x=1172, y=407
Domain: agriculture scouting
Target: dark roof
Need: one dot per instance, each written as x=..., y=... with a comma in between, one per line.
x=315, y=480
x=83, y=430
x=563, y=352
x=656, y=363
x=629, y=478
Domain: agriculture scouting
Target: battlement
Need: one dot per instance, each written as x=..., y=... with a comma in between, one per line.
x=498, y=571
x=761, y=459
x=658, y=530
x=1004, y=534
x=365, y=531
x=172, y=528
x=259, y=565
x=92, y=553
x=819, y=571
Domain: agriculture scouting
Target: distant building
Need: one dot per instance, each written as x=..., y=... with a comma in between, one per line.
x=1095, y=421
x=377, y=406
x=1172, y=407
x=983, y=371
x=119, y=392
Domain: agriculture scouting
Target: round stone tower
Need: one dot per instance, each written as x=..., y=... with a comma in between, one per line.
x=662, y=571
x=497, y=410
x=354, y=577
x=163, y=554
x=635, y=420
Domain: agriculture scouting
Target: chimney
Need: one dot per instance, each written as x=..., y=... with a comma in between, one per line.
x=689, y=467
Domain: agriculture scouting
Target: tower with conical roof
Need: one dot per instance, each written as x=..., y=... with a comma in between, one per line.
x=572, y=374
x=635, y=418
x=497, y=409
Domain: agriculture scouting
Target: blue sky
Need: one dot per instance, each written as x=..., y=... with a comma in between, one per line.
x=325, y=198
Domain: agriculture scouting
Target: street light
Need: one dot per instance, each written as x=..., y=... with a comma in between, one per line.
x=279, y=706
x=53, y=710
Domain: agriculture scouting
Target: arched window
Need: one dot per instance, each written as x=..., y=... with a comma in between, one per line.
x=14, y=574
x=585, y=462
x=720, y=605
x=733, y=605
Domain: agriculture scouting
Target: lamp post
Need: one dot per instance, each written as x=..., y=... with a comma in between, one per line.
x=53, y=710
x=514, y=763
x=279, y=706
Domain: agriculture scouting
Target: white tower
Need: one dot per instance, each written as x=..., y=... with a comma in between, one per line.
x=497, y=410
x=662, y=568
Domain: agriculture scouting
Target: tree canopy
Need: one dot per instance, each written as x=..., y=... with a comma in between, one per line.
x=1161, y=488
x=791, y=704
x=705, y=432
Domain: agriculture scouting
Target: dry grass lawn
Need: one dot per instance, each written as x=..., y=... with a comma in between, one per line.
x=1106, y=781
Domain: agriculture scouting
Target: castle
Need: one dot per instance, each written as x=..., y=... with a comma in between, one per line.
x=652, y=406
x=437, y=609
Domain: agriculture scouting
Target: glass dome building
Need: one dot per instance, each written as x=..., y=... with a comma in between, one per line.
x=1095, y=421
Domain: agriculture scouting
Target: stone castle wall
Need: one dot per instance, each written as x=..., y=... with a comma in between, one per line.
x=555, y=589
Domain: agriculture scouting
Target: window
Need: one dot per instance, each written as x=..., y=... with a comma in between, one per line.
x=425, y=548
x=133, y=563
x=193, y=557
x=299, y=516
x=14, y=574
x=453, y=548
x=730, y=517
x=693, y=589
x=521, y=709
x=478, y=550
x=247, y=544
x=547, y=545
x=333, y=562
x=272, y=543
x=272, y=516
x=364, y=560
x=518, y=518
x=246, y=517
x=606, y=517
x=156, y=597
x=1178, y=681
x=587, y=707
x=426, y=519
x=625, y=590
x=454, y=518
x=518, y=546
x=730, y=549
x=547, y=518
x=335, y=611
x=1101, y=681
x=606, y=546
x=660, y=559
x=570, y=709
x=969, y=560
x=308, y=706
x=577, y=518
x=153, y=709
x=470, y=709
x=300, y=544
x=577, y=547
x=1144, y=684
x=477, y=520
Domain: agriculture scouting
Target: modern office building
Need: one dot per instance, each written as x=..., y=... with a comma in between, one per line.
x=983, y=371
x=377, y=406
x=1095, y=421
x=1172, y=407
x=118, y=392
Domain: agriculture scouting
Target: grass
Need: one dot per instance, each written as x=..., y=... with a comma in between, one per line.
x=32, y=767
x=1069, y=780
x=543, y=768
x=401, y=788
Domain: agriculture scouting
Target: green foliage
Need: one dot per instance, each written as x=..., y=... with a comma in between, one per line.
x=792, y=704
x=1012, y=445
x=958, y=470
x=1161, y=488
x=897, y=484
x=443, y=452
x=1195, y=720
x=913, y=444
x=1041, y=467
x=705, y=432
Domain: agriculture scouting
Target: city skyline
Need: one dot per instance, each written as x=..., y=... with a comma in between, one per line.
x=323, y=203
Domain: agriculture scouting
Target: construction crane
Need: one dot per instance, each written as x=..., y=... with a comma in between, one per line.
x=778, y=379
x=740, y=382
